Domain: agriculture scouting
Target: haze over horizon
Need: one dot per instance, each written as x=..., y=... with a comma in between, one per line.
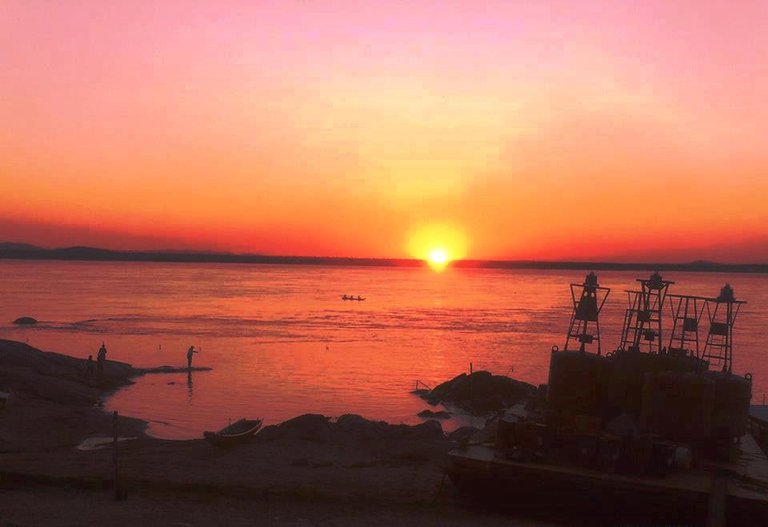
x=552, y=130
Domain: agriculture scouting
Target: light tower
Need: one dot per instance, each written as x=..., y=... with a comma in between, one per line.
x=722, y=312
x=642, y=320
x=588, y=299
x=687, y=311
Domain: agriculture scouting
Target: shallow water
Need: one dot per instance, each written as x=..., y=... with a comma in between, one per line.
x=282, y=342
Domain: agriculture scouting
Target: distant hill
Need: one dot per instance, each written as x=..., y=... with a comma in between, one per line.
x=30, y=252
x=23, y=251
x=12, y=246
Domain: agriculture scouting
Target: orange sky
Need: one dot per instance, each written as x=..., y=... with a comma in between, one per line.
x=503, y=130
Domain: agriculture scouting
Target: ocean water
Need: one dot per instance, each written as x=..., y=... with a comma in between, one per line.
x=282, y=342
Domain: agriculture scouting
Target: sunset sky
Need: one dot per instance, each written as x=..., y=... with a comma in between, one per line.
x=501, y=130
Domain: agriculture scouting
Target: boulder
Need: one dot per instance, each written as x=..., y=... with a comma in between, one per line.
x=25, y=321
x=429, y=430
x=267, y=433
x=360, y=428
x=482, y=392
x=310, y=427
x=56, y=377
x=348, y=428
x=434, y=415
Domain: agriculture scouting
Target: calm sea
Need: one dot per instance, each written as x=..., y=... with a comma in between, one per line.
x=282, y=342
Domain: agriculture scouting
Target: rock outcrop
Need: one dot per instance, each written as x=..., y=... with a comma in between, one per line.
x=481, y=392
x=348, y=427
x=434, y=415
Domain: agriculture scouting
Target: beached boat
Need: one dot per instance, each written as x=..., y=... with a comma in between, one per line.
x=652, y=432
x=238, y=432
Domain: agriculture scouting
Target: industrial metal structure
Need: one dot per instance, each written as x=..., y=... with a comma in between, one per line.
x=722, y=312
x=687, y=311
x=642, y=320
x=588, y=299
x=655, y=427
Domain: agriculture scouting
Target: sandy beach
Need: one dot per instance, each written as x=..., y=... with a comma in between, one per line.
x=305, y=471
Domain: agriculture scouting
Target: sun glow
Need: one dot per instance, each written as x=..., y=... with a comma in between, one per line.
x=437, y=244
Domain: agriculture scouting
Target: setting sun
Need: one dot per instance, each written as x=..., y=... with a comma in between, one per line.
x=438, y=244
x=438, y=259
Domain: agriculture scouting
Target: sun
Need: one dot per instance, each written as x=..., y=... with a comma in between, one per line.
x=438, y=259
x=438, y=244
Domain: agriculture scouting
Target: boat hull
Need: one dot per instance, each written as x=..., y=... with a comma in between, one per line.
x=237, y=433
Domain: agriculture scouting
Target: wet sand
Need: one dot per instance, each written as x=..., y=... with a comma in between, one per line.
x=307, y=471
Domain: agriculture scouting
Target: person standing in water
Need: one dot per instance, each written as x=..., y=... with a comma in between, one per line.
x=191, y=351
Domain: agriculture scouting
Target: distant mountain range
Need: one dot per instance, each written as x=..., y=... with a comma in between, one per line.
x=23, y=251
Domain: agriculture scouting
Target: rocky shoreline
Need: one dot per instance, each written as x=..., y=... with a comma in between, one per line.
x=391, y=469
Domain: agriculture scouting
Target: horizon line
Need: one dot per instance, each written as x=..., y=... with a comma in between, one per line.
x=22, y=251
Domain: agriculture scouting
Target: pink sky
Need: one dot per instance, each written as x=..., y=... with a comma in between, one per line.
x=622, y=130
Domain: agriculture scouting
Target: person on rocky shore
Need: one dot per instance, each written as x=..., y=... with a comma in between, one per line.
x=100, y=358
x=89, y=366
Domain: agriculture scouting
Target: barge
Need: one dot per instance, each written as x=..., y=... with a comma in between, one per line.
x=656, y=430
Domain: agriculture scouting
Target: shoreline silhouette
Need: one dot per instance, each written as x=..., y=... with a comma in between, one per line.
x=19, y=251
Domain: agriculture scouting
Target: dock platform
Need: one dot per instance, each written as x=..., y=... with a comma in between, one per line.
x=683, y=497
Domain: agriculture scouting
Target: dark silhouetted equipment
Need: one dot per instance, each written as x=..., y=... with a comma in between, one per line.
x=722, y=312
x=575, y=377
x=613, y=422
x=588, y=299
x=642, y=320
x=687, y=311
x=677, y=405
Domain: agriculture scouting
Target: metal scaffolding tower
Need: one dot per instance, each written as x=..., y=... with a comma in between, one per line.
x=642, y=320
x=588, y=299
x=722, y=312
x=687, y=311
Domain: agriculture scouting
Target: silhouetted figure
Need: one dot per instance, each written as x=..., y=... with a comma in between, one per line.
x=100, y=358
x=89, y=366
x=191, y=351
